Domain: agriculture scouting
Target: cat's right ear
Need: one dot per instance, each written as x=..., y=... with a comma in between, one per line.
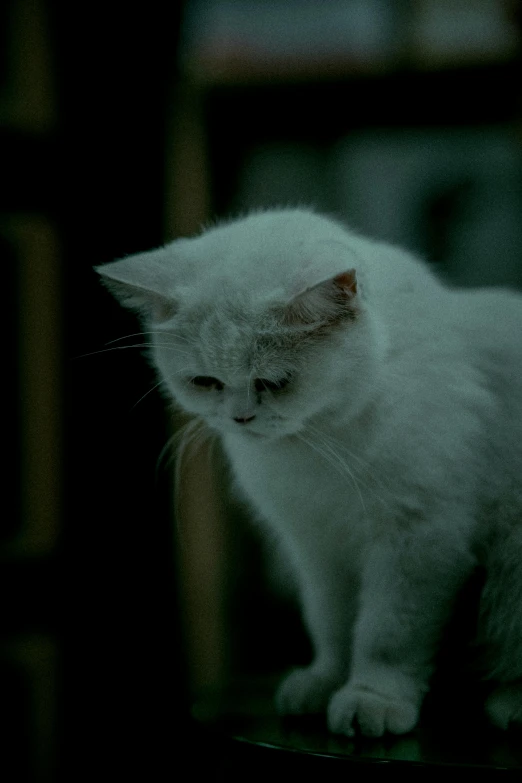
x=326, y=303
x=140, y=283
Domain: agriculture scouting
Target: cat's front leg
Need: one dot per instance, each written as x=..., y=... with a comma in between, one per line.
x=307, y=690
x=409, y=585
x=329, y=606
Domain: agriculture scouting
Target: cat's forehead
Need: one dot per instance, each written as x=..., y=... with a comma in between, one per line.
x=219, y=308
x=268, y=252
x=233, y=338
x=232, y=326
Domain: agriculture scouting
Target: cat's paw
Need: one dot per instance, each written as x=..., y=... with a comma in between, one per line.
x=305, y=691
x=373, y=712
x=504, y=705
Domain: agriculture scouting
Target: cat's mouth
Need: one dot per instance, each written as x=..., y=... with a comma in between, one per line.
x=254, y=434
x=257, y=430
x=270, y=433
x=248, y=431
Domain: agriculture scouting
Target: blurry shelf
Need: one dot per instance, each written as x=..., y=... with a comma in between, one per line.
x=211, y=71
x=243, y=71
x=469, y=95
x=32, y=246
x=32, y=172
x=243, y=41
x=219, y=120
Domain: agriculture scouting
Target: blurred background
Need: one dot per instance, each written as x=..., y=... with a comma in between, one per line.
x=123, y=127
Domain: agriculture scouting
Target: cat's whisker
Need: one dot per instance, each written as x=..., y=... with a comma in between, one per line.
x=166, y=448
x=184, y=371
x=364, y=464
x=249, y=384
x=138, y=334
x=188, y=435
x=178, y=337
x=126, y=347
x=156, y=386
x=341, y=466
x=108, y=350
x=187, y=442
x=192, y=434
x=337, y=462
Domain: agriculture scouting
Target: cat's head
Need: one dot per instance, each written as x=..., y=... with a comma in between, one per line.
x=257, y=325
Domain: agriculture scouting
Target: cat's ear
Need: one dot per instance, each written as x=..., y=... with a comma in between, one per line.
x=140, y=282
x=326, y=302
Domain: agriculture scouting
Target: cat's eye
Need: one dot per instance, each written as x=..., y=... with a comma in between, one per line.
x=206, y=382
x=262, y=384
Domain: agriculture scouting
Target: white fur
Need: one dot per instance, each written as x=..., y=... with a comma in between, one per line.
x=389, y=466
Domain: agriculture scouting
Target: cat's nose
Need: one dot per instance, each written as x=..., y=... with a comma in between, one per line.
x=243, y=419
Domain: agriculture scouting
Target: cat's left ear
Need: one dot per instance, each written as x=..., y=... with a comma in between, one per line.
x=327, y=302
x=141, y=283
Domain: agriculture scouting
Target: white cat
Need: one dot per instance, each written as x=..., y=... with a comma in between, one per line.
x=373, y=418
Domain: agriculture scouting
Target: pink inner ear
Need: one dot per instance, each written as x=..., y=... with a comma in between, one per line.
x=347, y=282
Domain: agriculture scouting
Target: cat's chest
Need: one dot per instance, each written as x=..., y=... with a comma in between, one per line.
x=291, y=484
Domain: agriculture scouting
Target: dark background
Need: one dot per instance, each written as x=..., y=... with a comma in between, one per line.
x=101, y=596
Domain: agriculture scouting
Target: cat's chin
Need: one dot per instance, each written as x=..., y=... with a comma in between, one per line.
x=253, y=433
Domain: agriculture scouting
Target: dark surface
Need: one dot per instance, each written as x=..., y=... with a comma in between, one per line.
x=245, y=733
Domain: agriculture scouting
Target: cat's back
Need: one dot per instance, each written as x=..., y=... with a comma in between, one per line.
x=489, y=322
x=479, y=327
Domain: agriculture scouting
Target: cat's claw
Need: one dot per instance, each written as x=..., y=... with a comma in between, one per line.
x=305, y=691
x=374, y=713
